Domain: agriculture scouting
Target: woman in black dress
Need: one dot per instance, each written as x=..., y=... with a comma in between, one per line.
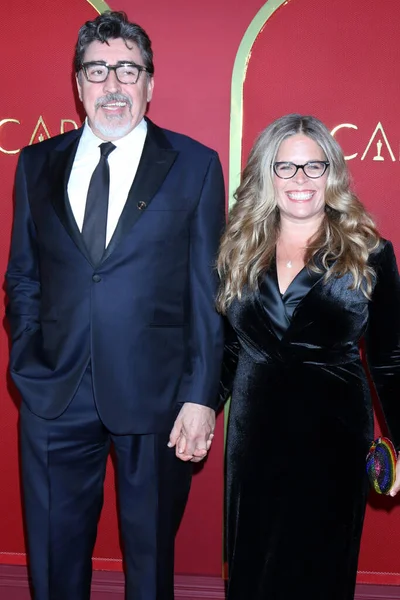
x=304, y=277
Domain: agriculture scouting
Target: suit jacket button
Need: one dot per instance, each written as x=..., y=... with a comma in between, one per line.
x=141, y=205
x=96, y=278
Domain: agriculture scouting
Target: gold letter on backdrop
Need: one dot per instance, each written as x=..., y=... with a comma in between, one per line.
x=64, y=121
x=379, y=144
x=1, y=125
x=347, y=126
x=40, y=136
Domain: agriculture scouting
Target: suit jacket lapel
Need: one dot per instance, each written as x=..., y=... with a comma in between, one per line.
x=60, y=164
x=157, y=159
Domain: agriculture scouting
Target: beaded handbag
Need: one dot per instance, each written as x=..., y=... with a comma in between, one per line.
x=381, y=465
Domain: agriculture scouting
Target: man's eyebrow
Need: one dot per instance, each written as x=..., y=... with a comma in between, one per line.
x=127, y=62
x=119, y=62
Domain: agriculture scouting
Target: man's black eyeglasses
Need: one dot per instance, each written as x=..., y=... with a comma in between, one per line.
x=126, y=72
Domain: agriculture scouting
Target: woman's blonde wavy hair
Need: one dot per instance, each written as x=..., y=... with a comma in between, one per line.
x=344, y=241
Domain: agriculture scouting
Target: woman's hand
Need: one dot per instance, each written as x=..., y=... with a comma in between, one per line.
x=396, y=486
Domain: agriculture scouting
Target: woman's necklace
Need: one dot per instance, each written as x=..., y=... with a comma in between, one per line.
x=289, y=264
x=289, y=261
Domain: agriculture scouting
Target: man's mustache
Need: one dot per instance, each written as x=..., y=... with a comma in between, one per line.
x=109, y=98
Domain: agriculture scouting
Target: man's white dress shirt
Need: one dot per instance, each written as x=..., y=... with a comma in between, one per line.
x=123, y=162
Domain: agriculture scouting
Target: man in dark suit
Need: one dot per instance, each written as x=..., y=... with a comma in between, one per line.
x=115, y=339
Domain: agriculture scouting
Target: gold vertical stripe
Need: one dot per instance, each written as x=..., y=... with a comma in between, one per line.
x=238, y=78
x=99, y=5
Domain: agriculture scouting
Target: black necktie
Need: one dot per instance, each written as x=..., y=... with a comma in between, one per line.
x=95, y=220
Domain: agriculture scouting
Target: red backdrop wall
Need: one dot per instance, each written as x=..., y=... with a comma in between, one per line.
x=195, y=45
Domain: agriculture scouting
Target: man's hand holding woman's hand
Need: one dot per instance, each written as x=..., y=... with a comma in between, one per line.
x=193, y=432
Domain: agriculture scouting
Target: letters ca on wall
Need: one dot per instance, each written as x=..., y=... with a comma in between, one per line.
x=378, y=148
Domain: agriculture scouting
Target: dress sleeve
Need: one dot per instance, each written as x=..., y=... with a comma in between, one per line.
x=229, y=362
x=383, y=339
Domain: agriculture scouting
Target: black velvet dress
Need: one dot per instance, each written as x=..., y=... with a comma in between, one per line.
x=300, y=426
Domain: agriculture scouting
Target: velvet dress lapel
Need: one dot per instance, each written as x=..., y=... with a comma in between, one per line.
x=282, y=309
